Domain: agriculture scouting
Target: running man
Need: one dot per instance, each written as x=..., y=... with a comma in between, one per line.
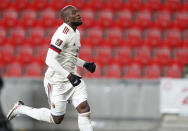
x=62, y=82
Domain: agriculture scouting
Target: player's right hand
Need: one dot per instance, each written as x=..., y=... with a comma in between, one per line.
x=74, y=79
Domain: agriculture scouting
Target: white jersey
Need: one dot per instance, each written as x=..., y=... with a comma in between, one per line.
x=66, y=42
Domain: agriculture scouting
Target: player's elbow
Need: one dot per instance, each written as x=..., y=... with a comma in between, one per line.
x=51, y=57
x=47, y=61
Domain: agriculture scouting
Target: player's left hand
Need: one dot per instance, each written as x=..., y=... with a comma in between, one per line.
x=90, y=66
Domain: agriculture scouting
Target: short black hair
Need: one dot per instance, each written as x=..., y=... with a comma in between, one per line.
x=64, y=11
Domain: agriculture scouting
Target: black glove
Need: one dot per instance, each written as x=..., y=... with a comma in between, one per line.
x=74, y=79
x=90, y=66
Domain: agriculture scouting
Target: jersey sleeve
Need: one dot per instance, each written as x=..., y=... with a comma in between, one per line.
x=58, y=41
x=56, y=45
x=80, y=62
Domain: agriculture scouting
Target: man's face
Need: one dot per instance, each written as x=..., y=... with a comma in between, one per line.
x=75, y=17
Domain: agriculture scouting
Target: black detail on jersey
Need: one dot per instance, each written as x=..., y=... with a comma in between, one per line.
x=58, y=42
x=55, y=48
x=65, y=30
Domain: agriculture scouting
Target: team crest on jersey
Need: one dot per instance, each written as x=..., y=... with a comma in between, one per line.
x=58, y=42
x=65, y=30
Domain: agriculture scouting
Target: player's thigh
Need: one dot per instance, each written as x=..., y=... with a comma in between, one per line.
x=58, y=100
x=80, y=95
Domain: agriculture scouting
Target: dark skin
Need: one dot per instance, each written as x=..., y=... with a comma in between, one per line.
x=71, y=16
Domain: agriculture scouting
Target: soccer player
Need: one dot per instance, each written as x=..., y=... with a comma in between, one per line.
x=61, y=81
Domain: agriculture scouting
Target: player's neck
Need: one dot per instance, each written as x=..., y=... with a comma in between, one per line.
x=73, y=27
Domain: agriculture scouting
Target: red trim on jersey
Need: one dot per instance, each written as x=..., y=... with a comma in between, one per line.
x=66, y=30
x=55, y=49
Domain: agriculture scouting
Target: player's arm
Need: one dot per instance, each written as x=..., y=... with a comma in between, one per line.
x=80, y=62
x=58, y=41
x=90, y=66
x=51, y=61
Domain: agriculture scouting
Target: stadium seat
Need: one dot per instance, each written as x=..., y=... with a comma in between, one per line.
x=134, y=4
x=153, y=35
x=95, y=36
x=4, y=4
x=53, y=4
x=114, y=35
x=83, y=4
x=122, y=31
x=173, y=36
x=181, y=19
x=77, y=3
x=14, y=70
x=115, y=4
x=174, y=70
x=34, y=69
x=2, y=66
x=10, y=17
x=37, y=35
x=2, y=35
x=19, y=4
x=18, y=35
x=124, y=54
x=134, y=35
x=182, y=54
x=38, y=4
x=144, y=53
x=185, y=39
x=143, y=18
x=28, y=41
x=46, y=41
x=163, y=18
x=97, y=5
x=153, y=4
x=104, y=54
x=85, y=53
x=163, y=53
x=133, y=70
x=105, y=18
x=51, y=31
x=153, y=71
x=87, y=17
x=8, y=52
x=41, y=53
x=25, y=53
x=172, y=4
x=114, y=70
x=28, y=18
x=48, y=18
x=184, y=6
x=124, y=18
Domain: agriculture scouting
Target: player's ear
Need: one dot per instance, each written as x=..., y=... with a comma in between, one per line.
x=66, y=19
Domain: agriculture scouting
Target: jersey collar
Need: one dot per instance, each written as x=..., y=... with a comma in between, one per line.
x=70, y=28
